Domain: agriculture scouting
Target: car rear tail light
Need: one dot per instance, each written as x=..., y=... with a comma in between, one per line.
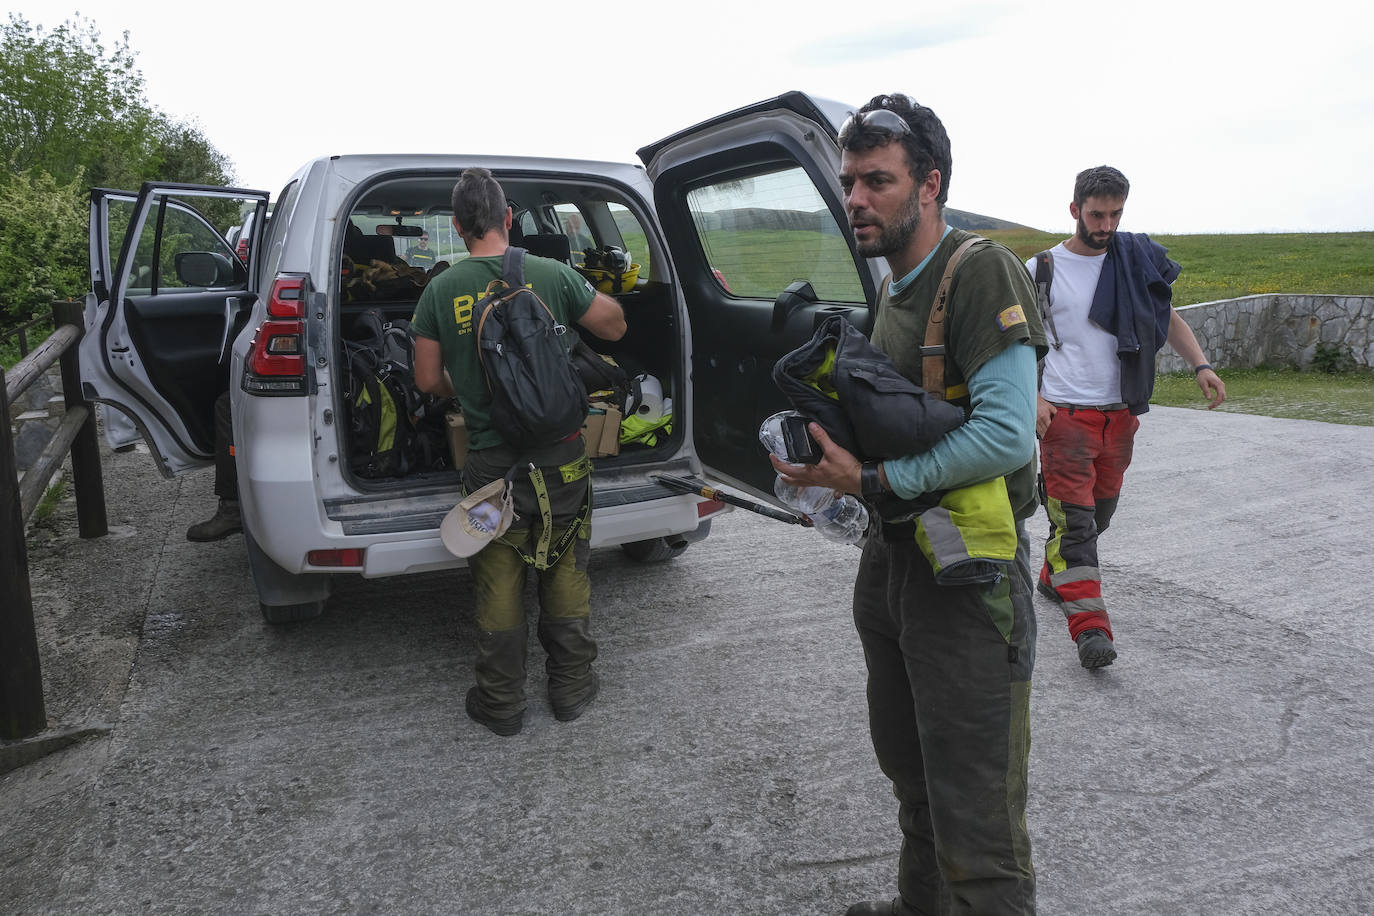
x=351, y=556
x=709, y=507
x=242, y=250
x=276, y=358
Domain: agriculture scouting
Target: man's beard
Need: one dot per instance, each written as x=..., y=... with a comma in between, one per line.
x=1087, y=238
x=897, y=236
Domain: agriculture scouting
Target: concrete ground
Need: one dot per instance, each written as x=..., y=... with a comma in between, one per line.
x=1221, y=766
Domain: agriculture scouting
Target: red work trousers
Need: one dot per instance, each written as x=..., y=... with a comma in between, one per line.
x=1083, y=456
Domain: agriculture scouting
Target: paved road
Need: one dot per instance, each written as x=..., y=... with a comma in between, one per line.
x=1222, y=766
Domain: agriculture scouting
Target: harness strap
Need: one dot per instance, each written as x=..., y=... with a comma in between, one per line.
x=545, y=555
x=933, y=350
x=1044, y=277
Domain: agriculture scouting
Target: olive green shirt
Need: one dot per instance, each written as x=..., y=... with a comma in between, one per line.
x=447, y=313
x=991, y=306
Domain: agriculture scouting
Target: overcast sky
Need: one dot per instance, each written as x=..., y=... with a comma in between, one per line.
x=1223, y=124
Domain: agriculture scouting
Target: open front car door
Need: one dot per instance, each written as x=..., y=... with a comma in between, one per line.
x=168, y=296
x=751, y=208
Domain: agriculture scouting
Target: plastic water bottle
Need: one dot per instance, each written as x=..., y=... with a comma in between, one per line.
x=843, y=519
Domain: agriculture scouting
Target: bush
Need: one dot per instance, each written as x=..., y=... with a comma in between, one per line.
x=1331, y=359
x=43, y=244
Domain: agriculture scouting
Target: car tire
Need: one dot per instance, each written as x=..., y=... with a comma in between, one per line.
x=291, y=613
x=655, y=550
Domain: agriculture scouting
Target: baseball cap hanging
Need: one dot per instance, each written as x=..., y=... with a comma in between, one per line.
x=481, y=517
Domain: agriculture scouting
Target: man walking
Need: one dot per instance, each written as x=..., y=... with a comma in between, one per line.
x=949, y=665
x=1105, y=298
x=447, y=364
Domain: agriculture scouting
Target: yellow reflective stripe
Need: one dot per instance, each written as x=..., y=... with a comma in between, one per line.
x=386, y=433
x=973, y=522
x=576, y=469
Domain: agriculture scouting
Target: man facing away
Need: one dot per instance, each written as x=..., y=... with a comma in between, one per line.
x=949, y=665
x=1107, y=314
x=447, y=364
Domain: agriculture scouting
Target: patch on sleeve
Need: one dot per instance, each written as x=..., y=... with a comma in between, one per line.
x=1009, y=318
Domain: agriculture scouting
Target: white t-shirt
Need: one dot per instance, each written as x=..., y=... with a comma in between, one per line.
x=1086, y=369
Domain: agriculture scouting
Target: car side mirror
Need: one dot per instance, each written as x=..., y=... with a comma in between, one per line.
x=204, y=268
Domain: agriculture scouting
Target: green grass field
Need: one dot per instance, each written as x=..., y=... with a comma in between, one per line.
x=1341, y=397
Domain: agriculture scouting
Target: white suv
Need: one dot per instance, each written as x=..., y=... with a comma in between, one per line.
x=738, y=228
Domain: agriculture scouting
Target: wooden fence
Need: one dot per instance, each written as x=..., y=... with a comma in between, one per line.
x=22, y=713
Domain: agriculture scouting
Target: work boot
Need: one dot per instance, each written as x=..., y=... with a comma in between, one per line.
x=568, y=712
x=498, y=699
x=1095, y=649
x=224, y=522
x=504, y=727
x=891, y=907
x=572, y=682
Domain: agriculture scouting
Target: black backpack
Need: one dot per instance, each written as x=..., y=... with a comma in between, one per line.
x=394, y=429
x=607, y=379
x=537, y=397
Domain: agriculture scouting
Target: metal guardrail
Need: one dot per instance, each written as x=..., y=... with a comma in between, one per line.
x=22, y=713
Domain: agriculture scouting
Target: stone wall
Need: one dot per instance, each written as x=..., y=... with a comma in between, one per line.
x=1277, y=329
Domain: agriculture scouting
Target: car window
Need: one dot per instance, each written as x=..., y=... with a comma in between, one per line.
x=184, y=229
x=633, y=238
x=573, y=224
x=762, y=231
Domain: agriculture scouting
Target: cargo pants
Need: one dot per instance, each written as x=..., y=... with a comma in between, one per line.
x=1083, y=457
x=949, y=707
x=499, y=572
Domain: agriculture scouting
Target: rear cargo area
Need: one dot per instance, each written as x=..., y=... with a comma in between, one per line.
x=399, y=236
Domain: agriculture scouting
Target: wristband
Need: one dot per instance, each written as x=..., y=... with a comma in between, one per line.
x=1197, y=369
x=870, y=483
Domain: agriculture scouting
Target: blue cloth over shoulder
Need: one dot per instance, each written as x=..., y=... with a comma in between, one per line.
x=1133, y=301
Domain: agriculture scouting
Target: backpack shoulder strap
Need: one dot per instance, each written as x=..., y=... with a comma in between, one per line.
x=513, y=267
x=1044, y=277
x=933, y=350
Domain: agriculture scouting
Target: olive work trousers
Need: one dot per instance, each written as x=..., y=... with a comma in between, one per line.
x=949, y=707
x=565, y=592
x=499, y=573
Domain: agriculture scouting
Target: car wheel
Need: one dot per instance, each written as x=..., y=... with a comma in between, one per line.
x=655, y=550
x=291, y=613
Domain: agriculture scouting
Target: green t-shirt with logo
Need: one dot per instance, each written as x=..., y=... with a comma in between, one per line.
x=446, y=313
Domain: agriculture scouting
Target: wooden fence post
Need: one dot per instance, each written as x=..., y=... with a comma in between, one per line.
x=21, y=677
x=86, y=477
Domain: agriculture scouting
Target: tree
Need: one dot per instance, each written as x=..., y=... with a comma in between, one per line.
x=41, y=224
x=69, y=106
x=73, y=115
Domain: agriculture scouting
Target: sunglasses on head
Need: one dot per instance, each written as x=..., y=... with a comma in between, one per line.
x=879, y=119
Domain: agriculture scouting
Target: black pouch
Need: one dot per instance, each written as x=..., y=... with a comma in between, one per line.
x=796, y=438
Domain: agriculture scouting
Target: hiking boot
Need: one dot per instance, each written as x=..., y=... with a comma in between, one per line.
x=224, y=522
x=1095, y=649
x=572, y=711
x=506, y=727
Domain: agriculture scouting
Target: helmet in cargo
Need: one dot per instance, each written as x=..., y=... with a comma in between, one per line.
x=609, y=269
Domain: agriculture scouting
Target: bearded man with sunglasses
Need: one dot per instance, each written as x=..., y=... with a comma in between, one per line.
x=949, y=663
